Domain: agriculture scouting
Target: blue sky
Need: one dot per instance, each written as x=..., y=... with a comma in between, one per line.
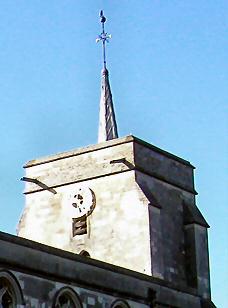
x=168, y=72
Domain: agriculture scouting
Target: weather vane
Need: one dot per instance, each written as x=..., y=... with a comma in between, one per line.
x=104, y=37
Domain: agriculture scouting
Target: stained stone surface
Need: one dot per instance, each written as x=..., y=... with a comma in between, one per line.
x=39, y=273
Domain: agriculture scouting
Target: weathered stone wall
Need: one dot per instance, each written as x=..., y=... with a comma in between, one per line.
x=40, y=271
x=164, y=166
x=169, y=229
x=41, y=293
x=79, y=165
x=118, y=228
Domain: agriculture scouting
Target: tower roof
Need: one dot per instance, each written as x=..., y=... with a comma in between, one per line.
x=107, y=120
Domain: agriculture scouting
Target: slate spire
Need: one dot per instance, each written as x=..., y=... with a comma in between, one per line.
x=107, y=121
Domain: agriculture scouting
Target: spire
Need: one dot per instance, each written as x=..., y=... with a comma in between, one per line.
x=107, y=121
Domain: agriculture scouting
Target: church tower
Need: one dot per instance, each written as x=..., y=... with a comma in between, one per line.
x=122, y=201
x=107, y=119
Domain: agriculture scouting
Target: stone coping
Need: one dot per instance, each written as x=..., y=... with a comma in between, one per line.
x=104, y=145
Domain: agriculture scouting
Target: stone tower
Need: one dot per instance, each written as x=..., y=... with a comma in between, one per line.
x=122, y=201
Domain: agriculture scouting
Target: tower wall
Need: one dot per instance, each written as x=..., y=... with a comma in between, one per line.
x=117, y=229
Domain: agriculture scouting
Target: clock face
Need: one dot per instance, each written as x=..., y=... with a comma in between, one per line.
x=82, y=202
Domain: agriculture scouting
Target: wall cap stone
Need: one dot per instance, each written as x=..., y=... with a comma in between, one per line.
x=104, y=145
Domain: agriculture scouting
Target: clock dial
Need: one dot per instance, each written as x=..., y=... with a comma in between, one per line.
x=82, y=202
